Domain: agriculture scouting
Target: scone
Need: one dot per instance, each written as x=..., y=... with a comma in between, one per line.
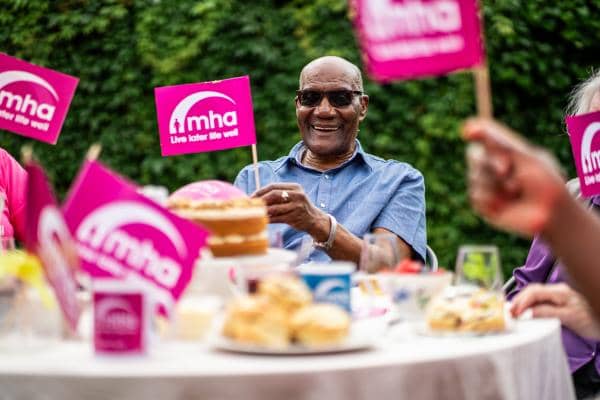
x=238, y=223
x=484, y=314
x=477, y=311
x=320, y=325
x=288, y=292
x=254, y=320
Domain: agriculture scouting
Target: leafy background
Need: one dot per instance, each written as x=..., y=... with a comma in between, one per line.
x=537, y=51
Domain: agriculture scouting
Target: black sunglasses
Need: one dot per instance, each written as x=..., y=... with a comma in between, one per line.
x=337, y=98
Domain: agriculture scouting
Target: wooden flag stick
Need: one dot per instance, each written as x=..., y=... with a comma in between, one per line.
x=483, y=91
x=255, y=163
x=94, y=152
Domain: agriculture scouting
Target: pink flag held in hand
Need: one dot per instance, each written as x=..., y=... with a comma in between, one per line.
x=407, y=39
x=202, y=117
x=48, y=236
x=585, y=143
x=121, y=233
x=33, y=100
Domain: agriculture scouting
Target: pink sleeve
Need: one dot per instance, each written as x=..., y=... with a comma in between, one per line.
x=14, y=181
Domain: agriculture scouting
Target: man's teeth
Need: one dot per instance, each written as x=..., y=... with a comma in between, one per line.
x=325, y=128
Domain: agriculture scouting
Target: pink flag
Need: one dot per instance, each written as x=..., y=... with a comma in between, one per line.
x=586, y=150
x=47, y=235
x=33, y=100
x=406, y=39
x=121, y=233
x=209, y=116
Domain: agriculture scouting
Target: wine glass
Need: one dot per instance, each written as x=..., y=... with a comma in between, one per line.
x=379, y=251
x=303, y=252
x=479, y=266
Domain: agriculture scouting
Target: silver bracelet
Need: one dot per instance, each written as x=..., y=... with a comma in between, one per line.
x=332, y=230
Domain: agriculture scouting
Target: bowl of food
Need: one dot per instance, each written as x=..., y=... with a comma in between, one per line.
x=409, y=287
x=467, y=309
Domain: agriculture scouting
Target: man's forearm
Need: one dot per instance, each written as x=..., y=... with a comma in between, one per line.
x=573, y=233
x=346, y=246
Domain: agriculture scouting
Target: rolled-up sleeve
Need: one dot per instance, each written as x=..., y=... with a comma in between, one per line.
x=241, y=181
x=405, y=213
x=537, y=268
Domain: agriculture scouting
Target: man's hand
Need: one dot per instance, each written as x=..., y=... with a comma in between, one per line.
x=514, y=185
x=287, y=203
x=558, y=301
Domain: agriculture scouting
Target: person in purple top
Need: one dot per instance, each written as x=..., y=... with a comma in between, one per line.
x=541, y=266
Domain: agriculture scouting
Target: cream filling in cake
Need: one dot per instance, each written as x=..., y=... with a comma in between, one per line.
x=233, y=239
x=218, y=214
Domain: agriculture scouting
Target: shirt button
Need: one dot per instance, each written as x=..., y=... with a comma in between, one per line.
x=322, y=205
x=326, y=176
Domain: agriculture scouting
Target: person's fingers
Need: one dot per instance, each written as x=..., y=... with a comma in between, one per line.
x=535, y=294
x=493, y=135
x=483, y=176
x=512, y=187
x=486, y=191
x=276, y=210
x=279, y=196
x=548, y=311
x=276, y=186
x=283, y=217
x=472, y=129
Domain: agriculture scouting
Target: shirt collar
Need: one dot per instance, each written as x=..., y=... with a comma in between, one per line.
x=295, y=155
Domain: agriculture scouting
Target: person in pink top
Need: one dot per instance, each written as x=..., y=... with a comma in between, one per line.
x=13, y=188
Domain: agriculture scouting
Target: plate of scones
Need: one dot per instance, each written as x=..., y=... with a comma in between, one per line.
x=466, y=311
x=280, y=318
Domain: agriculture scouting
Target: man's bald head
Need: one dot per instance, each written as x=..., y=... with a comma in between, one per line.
x=351, y=70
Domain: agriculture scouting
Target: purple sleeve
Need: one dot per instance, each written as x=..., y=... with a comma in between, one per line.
x=537, y=266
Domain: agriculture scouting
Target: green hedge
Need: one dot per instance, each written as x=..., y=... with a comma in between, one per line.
x=121, y=50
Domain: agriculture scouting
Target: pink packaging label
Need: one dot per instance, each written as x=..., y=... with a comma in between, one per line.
x=121, y=322
x=209, y=190
x=209, y=116
x=121, y=233
x=405, y=39
x=33, y=100
x=47, y=235
x=585, y=144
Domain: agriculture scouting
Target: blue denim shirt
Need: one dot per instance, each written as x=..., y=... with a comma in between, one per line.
x=364, y=193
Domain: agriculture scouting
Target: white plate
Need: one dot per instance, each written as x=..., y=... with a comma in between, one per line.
x=422, y=329
x=363, y=335
x=347, y=346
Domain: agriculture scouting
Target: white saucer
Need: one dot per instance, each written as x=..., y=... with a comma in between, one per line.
x=211, y=274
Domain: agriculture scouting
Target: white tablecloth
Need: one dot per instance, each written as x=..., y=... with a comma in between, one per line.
x=527, y=363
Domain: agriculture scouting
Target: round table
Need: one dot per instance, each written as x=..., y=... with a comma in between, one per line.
x=526, y=363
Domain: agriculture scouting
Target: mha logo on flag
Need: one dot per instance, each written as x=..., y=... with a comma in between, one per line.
x=203, y=117
x=202, y=126
x=405, y=39
x=585, y=143
x=33, y=100
x=122, y=234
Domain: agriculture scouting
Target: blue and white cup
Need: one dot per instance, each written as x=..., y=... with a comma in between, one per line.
x=329, y=283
